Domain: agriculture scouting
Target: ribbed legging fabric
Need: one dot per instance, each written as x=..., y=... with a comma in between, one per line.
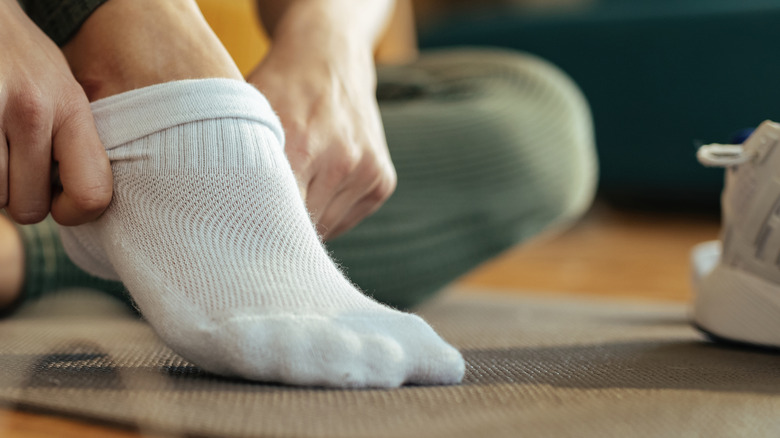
x=490, y=147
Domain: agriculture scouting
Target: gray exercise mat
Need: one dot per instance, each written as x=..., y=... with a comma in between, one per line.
x=540, y=367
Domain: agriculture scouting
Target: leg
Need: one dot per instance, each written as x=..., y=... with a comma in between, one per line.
x=491, y=148
x=467, y=191
x=129, y=44
x=207, y=228
x=120, y=45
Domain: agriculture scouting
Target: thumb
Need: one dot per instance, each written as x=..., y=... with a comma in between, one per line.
x=84, y=169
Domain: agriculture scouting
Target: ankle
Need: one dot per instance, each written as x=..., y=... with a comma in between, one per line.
x=129, y=44
x=12, y=261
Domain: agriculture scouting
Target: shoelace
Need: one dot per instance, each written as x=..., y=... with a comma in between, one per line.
x=724, y=155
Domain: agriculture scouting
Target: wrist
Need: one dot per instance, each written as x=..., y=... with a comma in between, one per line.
x=334, y=27
x=300, y=62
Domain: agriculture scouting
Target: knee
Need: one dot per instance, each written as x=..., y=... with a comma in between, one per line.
x=540, y=130
x=508, y=132
x=567, y=165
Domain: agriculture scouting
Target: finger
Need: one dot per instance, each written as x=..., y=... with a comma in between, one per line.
x=3, y=171
x=84, y=169
x=300, y=163
x=341, y=206
x=303, y=185
x=328, y=182
x=28, y=136
x=316, y=203
x=365, y=207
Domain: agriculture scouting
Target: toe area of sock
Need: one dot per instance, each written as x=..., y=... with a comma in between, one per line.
x=438, y=363
x=336, y=350
x=423, y=357
x=308, y=350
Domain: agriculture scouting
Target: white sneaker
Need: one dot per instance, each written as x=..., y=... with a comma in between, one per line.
x=736, y=281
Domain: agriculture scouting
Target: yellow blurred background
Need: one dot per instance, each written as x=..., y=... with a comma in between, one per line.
x=237, y=24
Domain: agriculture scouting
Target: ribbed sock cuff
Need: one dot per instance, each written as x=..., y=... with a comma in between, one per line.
x=129, y=116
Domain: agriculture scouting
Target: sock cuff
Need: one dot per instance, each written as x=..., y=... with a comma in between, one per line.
x=129, y=116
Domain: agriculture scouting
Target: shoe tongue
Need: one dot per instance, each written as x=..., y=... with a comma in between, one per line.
x=752, y=191
x=742, y=180
x=751, y=205
x=743, y=134
x=762, y=142
x=741, y=187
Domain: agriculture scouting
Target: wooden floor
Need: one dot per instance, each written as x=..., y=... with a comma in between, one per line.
x=609, y=253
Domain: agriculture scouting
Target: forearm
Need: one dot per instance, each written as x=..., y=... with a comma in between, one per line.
x=355, y=22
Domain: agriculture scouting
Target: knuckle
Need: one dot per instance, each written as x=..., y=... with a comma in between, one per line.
x=370, y=171
x=384, y=188
x=340, y=169
x=380, y=193
x=73, y=103
x=30, y=109
x=336, y=172
x=376, y=196
x=93, y=199
x=73, y=110
x=301, y=158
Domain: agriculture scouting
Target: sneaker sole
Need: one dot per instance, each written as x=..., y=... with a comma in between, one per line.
x=733, y=343
x=734, y=306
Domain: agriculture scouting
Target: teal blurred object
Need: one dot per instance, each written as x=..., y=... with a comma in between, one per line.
x=662, y=77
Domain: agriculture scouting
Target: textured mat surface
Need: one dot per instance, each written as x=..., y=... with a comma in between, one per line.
x=536, y=367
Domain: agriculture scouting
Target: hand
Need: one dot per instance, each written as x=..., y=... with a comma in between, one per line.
x=45, y=117
x=324, y=93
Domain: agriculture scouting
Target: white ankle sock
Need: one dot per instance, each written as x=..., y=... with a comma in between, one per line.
x=209, y=234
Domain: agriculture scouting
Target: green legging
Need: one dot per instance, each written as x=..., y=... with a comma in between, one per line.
x=491, y=148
